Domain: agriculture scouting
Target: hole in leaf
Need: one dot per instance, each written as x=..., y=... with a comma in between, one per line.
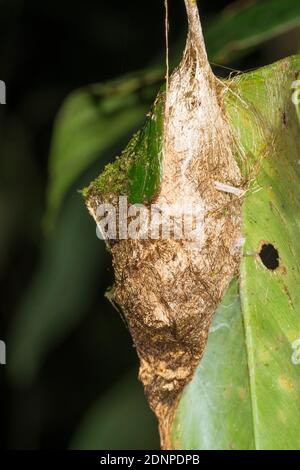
x=269, y=256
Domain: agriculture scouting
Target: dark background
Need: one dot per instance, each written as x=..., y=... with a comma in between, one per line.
x=76, y=365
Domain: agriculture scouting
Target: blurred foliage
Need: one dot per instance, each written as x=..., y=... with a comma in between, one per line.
x=67, y=347
x=123, y=410
x=239, y=28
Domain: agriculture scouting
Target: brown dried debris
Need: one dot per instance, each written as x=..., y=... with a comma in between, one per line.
x=168, y=291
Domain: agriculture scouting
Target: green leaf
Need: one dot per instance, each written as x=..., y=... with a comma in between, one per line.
x=90, y=122
x=264, y=120
x=237, y=30
x=271, y=299
x=215, y=409
x=119, y=420
x=137, y=172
